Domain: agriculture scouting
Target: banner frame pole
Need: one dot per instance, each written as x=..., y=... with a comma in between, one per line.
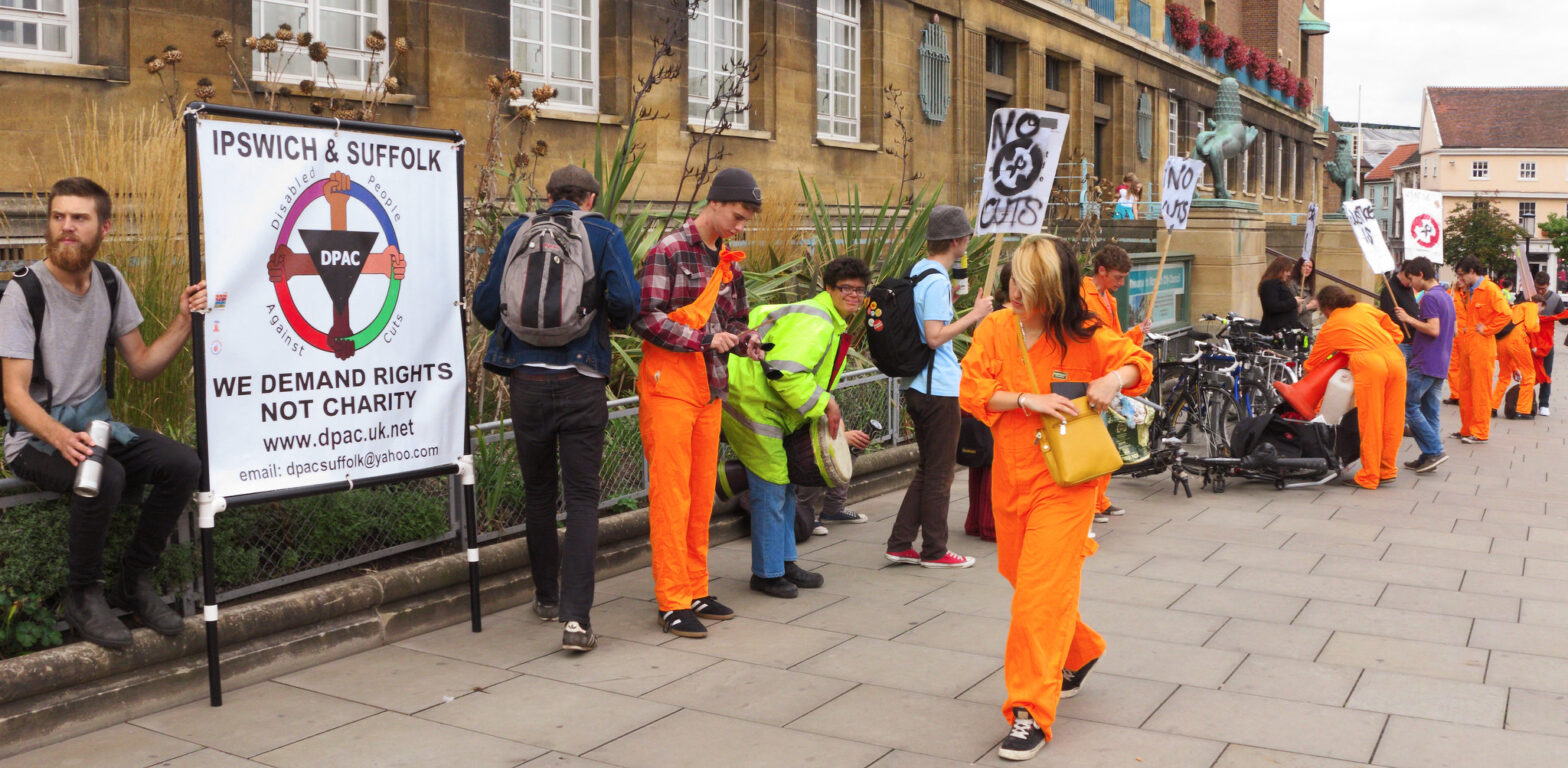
x=994, y=268
x=465, y=463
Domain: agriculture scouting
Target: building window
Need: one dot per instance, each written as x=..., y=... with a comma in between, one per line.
x=1262, y=147
x=1145, y=126
x=1289, y=187
x=1527, y=209
x=1279, y=166
x=717, y=49
x=1245, y=159
x=556, y=42
x=1301, y=171
x=1190, y=141
x=1527, y=171
x=935, y=73
x=1480, y=170
x=1104, y=88
x=342, y=24
x=996, y=55
x=1172, y=127
x=838, y=69
x=38, y=29
x=1055, y=74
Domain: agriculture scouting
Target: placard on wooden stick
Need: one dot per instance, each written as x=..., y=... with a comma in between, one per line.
x=1179, y=181
x=1022, y=153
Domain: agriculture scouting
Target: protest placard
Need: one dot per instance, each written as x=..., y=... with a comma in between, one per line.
x=1179, y=180
x=1423, y=233
x=1363, y=222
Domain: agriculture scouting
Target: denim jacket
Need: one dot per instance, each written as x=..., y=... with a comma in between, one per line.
x=618, y=305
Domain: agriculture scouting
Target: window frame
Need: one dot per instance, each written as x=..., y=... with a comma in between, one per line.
x=1533, y=174
x=1172, y=126
x=826, y=16
x=1480, y=170
x=530, y=80
x=1533, y=209
x=740, y=117
x=312, y=23
x=69, y=16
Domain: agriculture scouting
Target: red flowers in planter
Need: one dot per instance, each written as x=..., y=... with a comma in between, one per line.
x=1280, y=77
x=1259, y=65
x=1185, y=28
x=1214, y=41
x=1238, y=55
x=1304, y=95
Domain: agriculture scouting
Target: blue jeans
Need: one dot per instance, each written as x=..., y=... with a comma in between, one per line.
x=772, y=526
x=1421, y=402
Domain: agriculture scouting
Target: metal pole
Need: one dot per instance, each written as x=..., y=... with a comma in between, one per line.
x=465, y=464
x=207, y=506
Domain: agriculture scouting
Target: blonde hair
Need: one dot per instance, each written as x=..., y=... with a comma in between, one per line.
x=1044, y=269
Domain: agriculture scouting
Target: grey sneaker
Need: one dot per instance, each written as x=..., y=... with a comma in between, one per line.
x=577, y=637
x=1429, y=463
x=1100, y=518
x=547, y=611
x=1113, y=511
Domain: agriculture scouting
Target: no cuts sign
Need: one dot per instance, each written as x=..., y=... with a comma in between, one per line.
x=1020, y=168
x=1178, y=182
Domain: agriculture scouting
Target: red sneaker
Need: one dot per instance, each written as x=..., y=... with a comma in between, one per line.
x=950, y=560
x=907, y=557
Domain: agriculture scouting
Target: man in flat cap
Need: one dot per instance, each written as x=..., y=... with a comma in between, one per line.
x=931, y=397
x=557, y=364
x=693, y=315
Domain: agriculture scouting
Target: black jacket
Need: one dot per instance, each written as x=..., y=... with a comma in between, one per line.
x=1279, y=306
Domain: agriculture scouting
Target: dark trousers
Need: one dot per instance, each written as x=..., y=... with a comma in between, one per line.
x=170, y=468
x=924, y=510
x=1544, y=391
x=559, y=421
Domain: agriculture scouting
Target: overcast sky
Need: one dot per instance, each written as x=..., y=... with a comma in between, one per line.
x=1394, y=48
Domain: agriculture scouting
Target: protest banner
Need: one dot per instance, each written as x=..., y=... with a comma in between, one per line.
x=1310, y=238
x=331, y=353
x=1178, y=182
x=1369, y=235
x=1022, y=152
x=1423, y=233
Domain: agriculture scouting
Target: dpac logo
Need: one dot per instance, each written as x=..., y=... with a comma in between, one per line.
x=338, y=256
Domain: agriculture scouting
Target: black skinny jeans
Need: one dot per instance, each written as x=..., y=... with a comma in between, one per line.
x=170, y=468
x=558, y=419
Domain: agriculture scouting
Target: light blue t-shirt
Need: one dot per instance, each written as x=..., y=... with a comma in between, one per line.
x=934, y=301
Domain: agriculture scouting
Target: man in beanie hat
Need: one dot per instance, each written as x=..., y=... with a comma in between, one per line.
x=559, y=412
x=931, y=398
x=693, y=315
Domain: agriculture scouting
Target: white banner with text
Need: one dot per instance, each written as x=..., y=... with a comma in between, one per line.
x=1022, y=151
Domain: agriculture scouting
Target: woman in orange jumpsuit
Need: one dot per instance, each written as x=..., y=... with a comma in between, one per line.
x=1371, y=339
x=1514, y=356
x=1042, y=529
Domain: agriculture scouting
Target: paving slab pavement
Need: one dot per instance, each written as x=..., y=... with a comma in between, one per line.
x=1418, y=626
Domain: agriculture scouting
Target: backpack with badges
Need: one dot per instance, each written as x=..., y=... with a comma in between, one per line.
x=33, y=291
x=548, y=287
x=892, y=328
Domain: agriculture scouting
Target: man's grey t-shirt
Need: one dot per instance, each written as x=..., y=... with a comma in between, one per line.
x=74, y=331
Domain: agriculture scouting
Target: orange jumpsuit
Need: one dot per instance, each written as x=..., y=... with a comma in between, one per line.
x=680, y=425
x=1042, y=529
x=1103, y=305
x=1541, y=343
x=1371, y=339
x=1479, y=314
x=1514, y=356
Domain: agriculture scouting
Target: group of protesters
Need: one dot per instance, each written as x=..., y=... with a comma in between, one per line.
x=712, y=366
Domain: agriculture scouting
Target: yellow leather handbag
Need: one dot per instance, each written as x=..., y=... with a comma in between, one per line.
x=1077, y=449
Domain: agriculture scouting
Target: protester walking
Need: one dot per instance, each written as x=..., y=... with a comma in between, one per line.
x=1431, y=347
x=1048, y=335
x=1515, y=359
x=931, y=398
x=557, y=385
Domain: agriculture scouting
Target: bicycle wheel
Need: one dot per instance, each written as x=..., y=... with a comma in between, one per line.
x=1221, y=414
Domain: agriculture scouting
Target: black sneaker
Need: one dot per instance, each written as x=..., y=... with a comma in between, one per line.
x=1430, y=463
x=710, y=608
x=547, y=611
x=577, y=637
x=1024, y=740
x=801, y=577
x=683, y=623
x=1072, y=679
x=1113, y=511
x=1415, y=462
x=1457, y=435
x=777, y=586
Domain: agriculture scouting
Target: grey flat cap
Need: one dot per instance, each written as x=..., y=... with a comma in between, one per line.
x=571, y=176
x=948, y=222
x=734, y=185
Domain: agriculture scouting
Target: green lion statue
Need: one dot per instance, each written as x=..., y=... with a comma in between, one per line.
x=1227, y=136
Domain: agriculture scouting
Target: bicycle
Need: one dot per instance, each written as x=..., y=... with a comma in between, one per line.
x=1264, y=465
x=1190, y=406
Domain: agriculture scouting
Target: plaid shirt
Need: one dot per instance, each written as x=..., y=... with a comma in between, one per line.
x=673, y=273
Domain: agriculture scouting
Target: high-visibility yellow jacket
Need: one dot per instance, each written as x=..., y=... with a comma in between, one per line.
x=788, y=389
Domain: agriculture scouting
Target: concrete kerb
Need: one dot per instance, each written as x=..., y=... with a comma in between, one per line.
x=64, y=692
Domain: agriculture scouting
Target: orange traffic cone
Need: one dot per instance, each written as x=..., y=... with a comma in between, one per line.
x=1306, y=395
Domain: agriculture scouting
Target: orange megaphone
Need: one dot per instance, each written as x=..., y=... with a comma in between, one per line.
x=1306, y=396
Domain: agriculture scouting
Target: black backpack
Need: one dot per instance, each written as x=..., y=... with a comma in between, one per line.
x=892, y=329
x=33, y=291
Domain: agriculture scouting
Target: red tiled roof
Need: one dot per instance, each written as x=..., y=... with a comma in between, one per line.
x=1385, y=170
x=1523, y=118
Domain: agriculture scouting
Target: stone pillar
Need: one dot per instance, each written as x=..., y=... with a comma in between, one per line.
x=1338, y=254
x=1226, y=238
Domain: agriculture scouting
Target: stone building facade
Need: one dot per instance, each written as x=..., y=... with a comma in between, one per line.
x=818, y=104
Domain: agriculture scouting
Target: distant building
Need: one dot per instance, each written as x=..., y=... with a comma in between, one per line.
x=1376, y=141
x=1509, y=144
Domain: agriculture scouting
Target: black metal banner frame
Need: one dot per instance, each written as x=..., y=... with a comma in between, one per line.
x=208, y=506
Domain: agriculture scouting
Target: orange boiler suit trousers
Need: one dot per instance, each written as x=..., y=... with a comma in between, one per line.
x=1470, y=379
x=1513, y=356
x=1369, y=337
x=680, y=439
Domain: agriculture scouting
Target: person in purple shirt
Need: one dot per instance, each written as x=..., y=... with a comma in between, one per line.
x=1431, y=344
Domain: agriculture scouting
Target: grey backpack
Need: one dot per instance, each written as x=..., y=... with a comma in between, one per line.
x=549, y=291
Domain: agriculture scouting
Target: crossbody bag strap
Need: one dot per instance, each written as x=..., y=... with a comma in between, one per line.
x=1034, y=383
